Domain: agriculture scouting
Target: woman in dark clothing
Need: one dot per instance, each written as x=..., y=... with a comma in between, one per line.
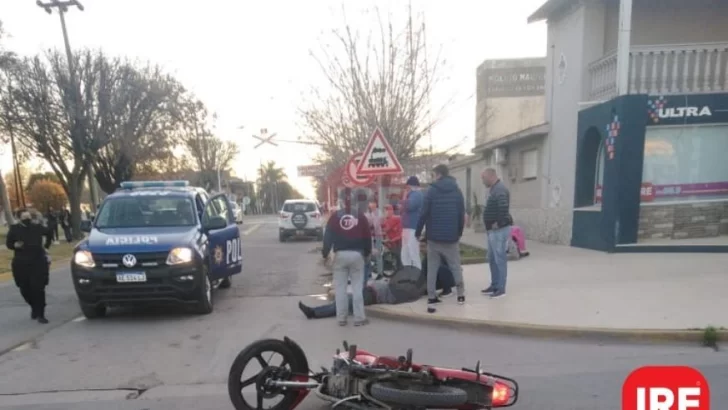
x=66, y=224
x=30, y=264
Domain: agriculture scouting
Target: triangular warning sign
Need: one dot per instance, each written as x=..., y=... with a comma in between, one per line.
x=378, y=157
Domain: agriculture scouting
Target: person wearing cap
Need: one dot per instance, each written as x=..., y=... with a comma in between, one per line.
x=410, y=215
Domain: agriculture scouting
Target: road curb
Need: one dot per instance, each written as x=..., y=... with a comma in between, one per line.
x=543, y=331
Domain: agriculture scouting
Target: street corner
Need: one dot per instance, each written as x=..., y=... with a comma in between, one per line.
x=416, y=313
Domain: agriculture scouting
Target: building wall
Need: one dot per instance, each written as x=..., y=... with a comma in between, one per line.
x=509, y=97
x=654, y=22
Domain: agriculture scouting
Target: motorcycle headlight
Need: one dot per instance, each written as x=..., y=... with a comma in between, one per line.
x=179, y=255
x=84, y=258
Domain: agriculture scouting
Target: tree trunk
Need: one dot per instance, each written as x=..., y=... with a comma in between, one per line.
x=7, y=208
x=75, y=184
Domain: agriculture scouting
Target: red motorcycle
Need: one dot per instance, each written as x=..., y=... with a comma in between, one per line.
x=362, y=381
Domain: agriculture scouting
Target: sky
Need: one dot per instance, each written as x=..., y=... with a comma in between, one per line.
x=250, y=61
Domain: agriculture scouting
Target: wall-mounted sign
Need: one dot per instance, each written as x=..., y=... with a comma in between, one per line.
x=687, y=109
x=511, y=82
x=611, y=139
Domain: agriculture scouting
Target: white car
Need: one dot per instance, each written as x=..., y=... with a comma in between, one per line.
x=238, y=212
x=300, y=218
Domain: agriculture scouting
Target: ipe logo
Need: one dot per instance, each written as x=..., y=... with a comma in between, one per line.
x=665, y=388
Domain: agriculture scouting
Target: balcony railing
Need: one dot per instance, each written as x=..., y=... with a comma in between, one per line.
x=664, y=70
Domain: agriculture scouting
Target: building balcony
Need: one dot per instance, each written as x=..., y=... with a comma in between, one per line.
x=663, y=70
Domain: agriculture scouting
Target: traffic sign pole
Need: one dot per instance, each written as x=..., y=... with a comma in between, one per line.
x=380, y=244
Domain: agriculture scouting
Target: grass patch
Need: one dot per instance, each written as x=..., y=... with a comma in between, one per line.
x=471, y=252
x=710, y=337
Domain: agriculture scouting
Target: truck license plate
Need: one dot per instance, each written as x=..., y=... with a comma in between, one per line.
x=128, y=277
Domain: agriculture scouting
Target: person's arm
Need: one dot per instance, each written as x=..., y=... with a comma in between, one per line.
x=48, y=233
x=10, y=238
x=425, y=215
x=502, y=203
x=414, y=201
x=328, y=237
x=366, y=234
x=461, y=213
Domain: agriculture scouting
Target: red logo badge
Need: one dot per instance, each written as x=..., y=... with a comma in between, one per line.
x=665, y=388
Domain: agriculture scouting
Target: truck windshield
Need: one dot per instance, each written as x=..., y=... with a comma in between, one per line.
x=146, y=211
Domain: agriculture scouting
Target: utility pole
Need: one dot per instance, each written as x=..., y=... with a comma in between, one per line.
x=62, y=7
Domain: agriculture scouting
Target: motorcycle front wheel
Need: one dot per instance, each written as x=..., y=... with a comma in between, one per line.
x=275, y=361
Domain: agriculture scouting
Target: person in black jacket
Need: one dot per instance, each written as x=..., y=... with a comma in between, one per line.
x=52, y=221
x=30, y=265
x=498, y=221
x=443, y=214
x=349, y=235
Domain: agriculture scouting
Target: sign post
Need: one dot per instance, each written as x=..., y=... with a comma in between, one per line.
x=379, y=160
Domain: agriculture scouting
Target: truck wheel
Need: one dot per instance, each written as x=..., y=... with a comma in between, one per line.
x=93, y=311
x=415, y=395
x=226, y=283
x=204, y=301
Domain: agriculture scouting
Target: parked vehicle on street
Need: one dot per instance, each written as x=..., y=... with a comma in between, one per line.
x=300, y=218
x=156, y=242
x=361, y=380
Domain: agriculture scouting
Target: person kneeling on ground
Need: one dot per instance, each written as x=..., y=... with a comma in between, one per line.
x=406, y=285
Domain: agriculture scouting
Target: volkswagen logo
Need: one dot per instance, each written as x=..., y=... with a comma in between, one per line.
x=129, y=260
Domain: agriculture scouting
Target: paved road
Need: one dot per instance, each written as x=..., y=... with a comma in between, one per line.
x=165, y=360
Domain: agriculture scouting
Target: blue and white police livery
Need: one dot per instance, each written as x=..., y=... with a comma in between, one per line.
x=156, y=242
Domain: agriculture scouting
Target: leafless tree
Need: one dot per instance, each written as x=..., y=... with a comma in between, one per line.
x=208, y=152
x=6, y=58
x=142, y=116
x=383, y=79
x=41, y=100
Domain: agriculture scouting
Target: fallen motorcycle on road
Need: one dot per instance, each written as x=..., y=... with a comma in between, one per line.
x=361, y=380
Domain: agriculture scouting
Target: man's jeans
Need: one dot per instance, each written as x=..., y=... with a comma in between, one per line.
x=349, y=266
x=329, y=309
x=498, y=257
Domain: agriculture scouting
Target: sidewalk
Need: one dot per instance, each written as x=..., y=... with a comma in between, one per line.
x=571, y=291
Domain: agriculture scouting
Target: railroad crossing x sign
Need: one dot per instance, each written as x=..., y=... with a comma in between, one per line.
x=265, y=138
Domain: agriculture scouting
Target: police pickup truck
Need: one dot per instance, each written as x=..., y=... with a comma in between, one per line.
x=156, y=242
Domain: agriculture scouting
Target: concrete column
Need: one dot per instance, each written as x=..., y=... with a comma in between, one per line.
x=623, y=46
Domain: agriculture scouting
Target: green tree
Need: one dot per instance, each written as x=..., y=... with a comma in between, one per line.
x=270, y=176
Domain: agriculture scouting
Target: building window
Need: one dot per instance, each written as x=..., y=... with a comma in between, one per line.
x=685, y=163
x=529, y=164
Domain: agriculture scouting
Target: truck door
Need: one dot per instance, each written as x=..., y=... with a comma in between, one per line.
x=224, y=245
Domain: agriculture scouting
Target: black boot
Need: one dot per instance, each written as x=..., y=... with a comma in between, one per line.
x=42, y=320
x=307, y=311
x=33, y=315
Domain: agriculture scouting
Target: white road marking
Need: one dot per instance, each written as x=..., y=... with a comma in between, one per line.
x=24, y=346
x=251, y=229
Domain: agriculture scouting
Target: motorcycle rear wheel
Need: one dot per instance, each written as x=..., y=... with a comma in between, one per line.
x=254, y=352
x=425, y=396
